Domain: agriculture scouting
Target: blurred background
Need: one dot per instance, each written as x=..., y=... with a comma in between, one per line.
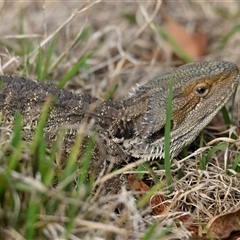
x=106, y=47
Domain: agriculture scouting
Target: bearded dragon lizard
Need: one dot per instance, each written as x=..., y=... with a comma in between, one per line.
x=133, y=127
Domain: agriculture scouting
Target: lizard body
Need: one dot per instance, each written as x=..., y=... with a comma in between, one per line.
x=133, y=127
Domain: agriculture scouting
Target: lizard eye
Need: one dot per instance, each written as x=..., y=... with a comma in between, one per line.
x=201, y=90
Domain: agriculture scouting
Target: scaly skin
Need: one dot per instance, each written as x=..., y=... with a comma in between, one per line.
x=133, y=127
x=200, y=90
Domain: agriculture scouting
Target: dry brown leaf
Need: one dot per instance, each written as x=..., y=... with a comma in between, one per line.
x=155, y=201
x=194, y=45
x=137, y=184
x=158, y=207
x=190, y=224
x=222, y=226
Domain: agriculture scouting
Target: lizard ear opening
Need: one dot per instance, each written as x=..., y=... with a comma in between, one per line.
x=122, y=129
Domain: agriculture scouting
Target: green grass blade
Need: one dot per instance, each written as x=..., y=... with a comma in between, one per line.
x=46, y=110
x=82, y=35
x=233, y=103
x=111, y=91
x=203, y=162
x=180, y=52
x=150, y=231
x=236, y=163
x=17, y=129
x=50, y=171
x=220, y=146
x=73, y=71
x=13, y=163
x=11, y=47
x=27, y=63
x=139, y=170
x=130, y=17
x=85, y=161
x=16, y=143
x=32, y=211
x=70, y=167
x=38, y=147
x=39, y=64
x=206, y=157
x=225, y=115
x=152, y=172
x=184, y=152
x=228, y=36
x=224, y=13
x=21, y=32
x=167, y=140
x=144, y=200
x=49, y=57
x=71, y=213
x=149, y=234
x=201, y=143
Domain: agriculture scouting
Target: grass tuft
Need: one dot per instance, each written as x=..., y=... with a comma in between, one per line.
x=74, y=70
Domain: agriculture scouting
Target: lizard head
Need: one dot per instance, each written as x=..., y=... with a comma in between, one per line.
x=200, y=90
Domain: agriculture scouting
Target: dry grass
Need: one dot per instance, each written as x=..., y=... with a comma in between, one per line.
x=126, y=49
